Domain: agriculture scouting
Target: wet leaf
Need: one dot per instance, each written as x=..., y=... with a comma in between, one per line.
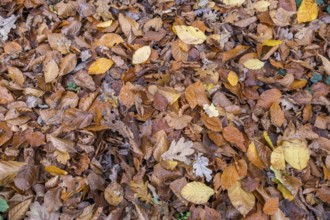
x=197, y=192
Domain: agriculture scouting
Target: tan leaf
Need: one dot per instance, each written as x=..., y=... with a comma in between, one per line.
x=276, y=114
x=25, y=177
x=51, y=71
x=5, y=134
x=176, y=121
x=212, y=123
x=234, y=136
x=197, y=192
x=261, y=6
x=179, y=151
x=52, y=200
x=114, y=194
x=61, y=144
x=178, y=53
x=277, y=158
x=55, y=171
x=253, y=156
x=241, y=200
x=18, y=212
x=128, y=25
x=230, y=54
x=68, y=64
x=16, y=75
x=170, y=94
x=109, y=40
x=161, y=145
x=62, y=156
x=141, y=190
x=5, y=96
x=326, y=64
x=141, y=55
x=196, y=95
x=253, y=64
x=127, y=95
x=189, y=34
x=268, y=97
x=8, y=171
x=229, y=177
x=271, y=206
x=234, y=2
x=100, y=66
x=104, y=24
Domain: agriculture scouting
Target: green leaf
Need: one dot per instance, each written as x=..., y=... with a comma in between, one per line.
x=3, y=205
x=316, y=77
x=298, y=3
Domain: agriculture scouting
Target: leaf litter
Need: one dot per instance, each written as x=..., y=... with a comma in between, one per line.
x=169, y=109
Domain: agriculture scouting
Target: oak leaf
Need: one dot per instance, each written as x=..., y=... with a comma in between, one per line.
x=179, y=151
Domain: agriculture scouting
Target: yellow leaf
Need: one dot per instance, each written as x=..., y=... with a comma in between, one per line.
x=189, y=34
x=253, y=64
x=241, y=200
x=285, y=192
x=234, y=2
x=272, y=43
x=61, y=156
x=232, y=78
x=252, y=154
x=104, y=24
x=197, y=192
x=277, y=158
x=261, y=6
x=141, y=55
x=307, y=11
x=100, y=66
x=298, y=84
x=296, y=153
x=267, y=138
x=55, y=171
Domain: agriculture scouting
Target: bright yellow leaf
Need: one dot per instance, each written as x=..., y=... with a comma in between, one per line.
x=277, y=158
x=307, y=11
x=285, y=192
x=141, y=55
x=267, y=139
x=253, y=64
x=272, y=43
x=296, y=153
x=232, y=78
x=197, y=192
x=100, y=66
x=55, y=171
x=189, y=34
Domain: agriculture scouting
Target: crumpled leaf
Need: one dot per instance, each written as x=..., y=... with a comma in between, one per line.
x=307, y=11
x=211, y=110
x=200, y=167
x=8, y=171
x=179, y=151
x=296, y=153
x=141, y=55
x=253, y=64
x=100, y=66
x=189, y=34
x=197, y=192
x=243, y=201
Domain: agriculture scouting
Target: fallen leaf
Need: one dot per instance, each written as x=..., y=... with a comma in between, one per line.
x=104, y=24
x=232, y=78
x=3, y=205
x=229, y=177
x=272, y=43
x=276, y=114
x=189, y=34
x=25, y=177
x=326, y=64
x=197, y=192
x=5, y=96
x=234, y=136
x=16, y=75
x=196, y=95
x=55, y=171
x=127, y=95
x=253, y=64
x=141, y=55
x=51, y=71
x=100, y=66
x=230, y=54
x=8, y=171
x=277, y=158
x=211, y=110
x=268, y=97
x=243, y=201
x=109, y=40
x=261, y=6
x=307, y=11
x=18, y=212
x=296, y=153
x=68, y=63
x=114, y=194
x=179, y=151
x=254, y=157
x=234, y=2
x=212, y=123
x=271, y=205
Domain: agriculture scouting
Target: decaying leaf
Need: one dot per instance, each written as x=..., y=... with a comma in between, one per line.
x=243, y=201
x=179, y=151
x=18, y=212
x=114, y=194
x=197, y=192
x=200, y=167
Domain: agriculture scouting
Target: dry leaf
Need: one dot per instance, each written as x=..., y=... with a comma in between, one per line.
x=51, y=71
x=196, y=95
x=296, y=153
x=197, y=192
x=8, y=171
x=261, y=6
x=18, y=212
x=127, y=95
x=271, y=206
x=241, y=200
x=307, y=11
x=25, y=177
x=179, y=151
x=277, y=158
x=104, y=24
x=100, y=66
x=230, y=54
x=189, y=34
x=233, y=2
x=232, y=78
x=276, y=114
x=229, y=177
x=326, y=64
x=114, y=194
x=253, y=156
x=109, y=40
x=55, y=171
x=141, y=55
x=68, y=64
x=234, y=136
x=211, y=110
x=268, y=97
x=128, y=25
x=272, y=43
x=253, y=64
x=212, y=123
x=16, y=75
x=178, y=53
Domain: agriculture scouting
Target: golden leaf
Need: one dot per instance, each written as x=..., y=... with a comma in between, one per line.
x=271, y=206
x=307, y=11
x=267, y=139
x=100, y=66
x=253, y=156
x=232, y=78
x=104, y=24
x=277, y=158
x=229, y=177
x=253, y=64
x=55, y=171
x=296, y=153
x=234, y=2
x=61, y=156
x=197, y=192
x=241, y=200
x=189, y=34
x=272, y=43
x=141, y=55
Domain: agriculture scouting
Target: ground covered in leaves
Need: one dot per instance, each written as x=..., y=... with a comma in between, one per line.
x=164, y=109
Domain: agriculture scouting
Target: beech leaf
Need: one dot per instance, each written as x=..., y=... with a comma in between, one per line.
x=141, y=55
x=243, y=201
x=197, y=192
x=189, y=34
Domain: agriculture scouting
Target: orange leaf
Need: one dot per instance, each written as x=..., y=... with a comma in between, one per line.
x=268, y=97
x=212, y=123
x=276, y=114
x=271, y=206
x=229, y=177
x=196, y=95
x=230, y=54
x=234, y=136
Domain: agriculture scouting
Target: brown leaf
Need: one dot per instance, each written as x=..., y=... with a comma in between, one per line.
x=128, y=25
x=25, y=177
x=268, y=97
x=52, y=200
x=234, y=136
x=212, y=123
x=51, y=71
x=109, y=40
x=271, y=206
x=176, y=187
x=8, y=171
x=196, y=95
x=178, y=53
x=114, y=194
x=324, y=194
x=229, y=177
x=127, y=95
x=16, y=75
x=5, y=96
x=35, y=139
x=18, y=212
x=68, y=64
x=230, y=54
x=5, y=133
x=276, y=114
